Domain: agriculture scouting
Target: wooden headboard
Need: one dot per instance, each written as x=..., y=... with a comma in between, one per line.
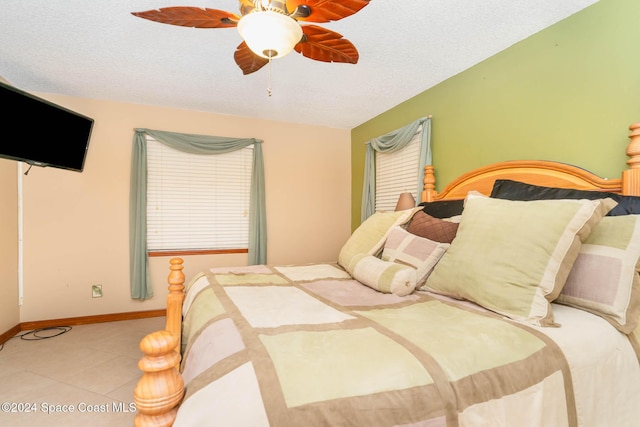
x=540, y=172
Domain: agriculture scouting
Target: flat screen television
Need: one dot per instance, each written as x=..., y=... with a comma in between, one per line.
x=41, y=133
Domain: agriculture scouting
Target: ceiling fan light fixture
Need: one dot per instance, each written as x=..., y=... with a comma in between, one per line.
x=269, y=34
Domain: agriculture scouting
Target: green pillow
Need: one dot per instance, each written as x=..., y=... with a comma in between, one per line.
x=369, y=238
x=513, y=257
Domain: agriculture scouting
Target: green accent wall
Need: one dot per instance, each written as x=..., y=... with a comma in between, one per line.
x=567, y=93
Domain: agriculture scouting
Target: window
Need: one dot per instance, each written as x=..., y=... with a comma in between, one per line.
x=256, y=223
x=396, y=173
x=419, y=130
x=197, y=203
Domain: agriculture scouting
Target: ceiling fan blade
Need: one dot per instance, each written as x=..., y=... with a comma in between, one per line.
x=324, y=10
x=186, y=16
x=248, y=61
x=325, y=45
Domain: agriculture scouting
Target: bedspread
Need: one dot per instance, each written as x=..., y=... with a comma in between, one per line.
x=309, y=346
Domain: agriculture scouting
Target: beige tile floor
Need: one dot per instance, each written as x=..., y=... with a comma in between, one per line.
x=91, y=369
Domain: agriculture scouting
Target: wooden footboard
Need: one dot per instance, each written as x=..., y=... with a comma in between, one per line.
x=161, y=388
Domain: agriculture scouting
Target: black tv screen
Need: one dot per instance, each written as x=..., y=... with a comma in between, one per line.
x=41, y=133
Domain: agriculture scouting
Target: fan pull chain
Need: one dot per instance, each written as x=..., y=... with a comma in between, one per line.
x=269, y=85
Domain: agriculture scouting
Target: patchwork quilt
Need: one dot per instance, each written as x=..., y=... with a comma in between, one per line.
x=308, y=345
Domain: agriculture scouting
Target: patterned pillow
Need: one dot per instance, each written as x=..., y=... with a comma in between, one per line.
x=513, y=257
x=420, y=253
x=438, y=230
x=384, y=276
x=604, y=279
x=369, y=237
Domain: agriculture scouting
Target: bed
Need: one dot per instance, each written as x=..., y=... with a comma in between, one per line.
x=511, y=297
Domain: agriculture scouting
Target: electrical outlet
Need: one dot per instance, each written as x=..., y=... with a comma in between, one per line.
x=96, y=291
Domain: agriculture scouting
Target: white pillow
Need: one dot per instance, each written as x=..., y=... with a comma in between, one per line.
x=384, y=276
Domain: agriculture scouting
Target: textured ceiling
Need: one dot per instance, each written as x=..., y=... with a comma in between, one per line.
x=97, y=49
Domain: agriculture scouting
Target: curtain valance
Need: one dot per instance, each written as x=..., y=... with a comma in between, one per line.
x=388, y=143
x=195, y=144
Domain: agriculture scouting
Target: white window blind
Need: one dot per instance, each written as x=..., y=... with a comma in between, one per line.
x=197, y=202
x=397, y=173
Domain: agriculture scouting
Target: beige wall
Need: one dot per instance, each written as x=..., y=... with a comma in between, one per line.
x=76, y=224
x=9, y=313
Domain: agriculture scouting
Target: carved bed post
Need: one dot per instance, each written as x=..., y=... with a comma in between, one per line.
x=429, y=188
x=631, y=176
x=175, y=299
x=161, y=387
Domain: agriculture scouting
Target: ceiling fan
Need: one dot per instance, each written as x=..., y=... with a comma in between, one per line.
x=270, y=28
